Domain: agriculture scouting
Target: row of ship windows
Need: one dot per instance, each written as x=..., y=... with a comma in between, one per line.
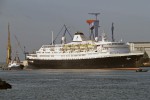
x=49, y=46
x=64, y=49
x=61, y=55
x=60, y=52
x=49, y=52
x=52, y=49
x=71, y=52
x=116, y=44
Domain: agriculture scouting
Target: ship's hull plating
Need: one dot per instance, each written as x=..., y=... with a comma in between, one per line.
x=108, y=62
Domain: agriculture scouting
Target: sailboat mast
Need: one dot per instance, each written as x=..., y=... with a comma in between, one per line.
x=8, y=59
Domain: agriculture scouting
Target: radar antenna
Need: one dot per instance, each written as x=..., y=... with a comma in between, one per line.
x=96, y=14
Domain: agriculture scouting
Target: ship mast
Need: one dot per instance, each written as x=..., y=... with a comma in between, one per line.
x=112, y=30
x=52, y=38
x=96, y=25
x=8, y=59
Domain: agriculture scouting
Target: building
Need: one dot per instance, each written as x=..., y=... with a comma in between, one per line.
x=141, y=47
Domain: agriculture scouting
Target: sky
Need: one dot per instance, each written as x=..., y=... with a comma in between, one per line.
x=32, y=21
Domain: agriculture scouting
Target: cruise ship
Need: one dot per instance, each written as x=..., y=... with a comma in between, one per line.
x=83, y=53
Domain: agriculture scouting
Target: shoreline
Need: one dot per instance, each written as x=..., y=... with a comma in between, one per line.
x=83, y=70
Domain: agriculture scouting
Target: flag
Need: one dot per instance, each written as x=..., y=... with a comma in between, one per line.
x=92, y=26
x=91, y=23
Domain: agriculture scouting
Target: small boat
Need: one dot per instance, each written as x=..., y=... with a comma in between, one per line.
x=12, y=64
x=15, y=64
x=142, y=70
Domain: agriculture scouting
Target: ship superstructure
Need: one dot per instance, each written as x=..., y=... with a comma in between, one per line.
x=85, y=53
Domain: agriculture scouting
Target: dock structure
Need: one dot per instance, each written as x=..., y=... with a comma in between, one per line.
x=25, y=63
x=141, y=47
x=2, y=65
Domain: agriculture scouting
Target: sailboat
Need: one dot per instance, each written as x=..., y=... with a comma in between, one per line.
x=15, y=63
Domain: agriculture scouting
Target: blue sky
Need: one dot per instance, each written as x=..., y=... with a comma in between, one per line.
x=33, y=20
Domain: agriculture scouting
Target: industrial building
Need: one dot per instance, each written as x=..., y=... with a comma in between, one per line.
x=141, y=47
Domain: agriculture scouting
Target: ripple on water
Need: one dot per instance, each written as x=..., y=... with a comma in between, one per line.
x=95, y=85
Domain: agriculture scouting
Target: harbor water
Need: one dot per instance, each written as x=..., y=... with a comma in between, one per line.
x=78, y=84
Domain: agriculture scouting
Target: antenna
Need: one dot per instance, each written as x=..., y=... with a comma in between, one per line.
x=52, y=38
x=96, y=25
x=112, y=29
x=96, y=14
